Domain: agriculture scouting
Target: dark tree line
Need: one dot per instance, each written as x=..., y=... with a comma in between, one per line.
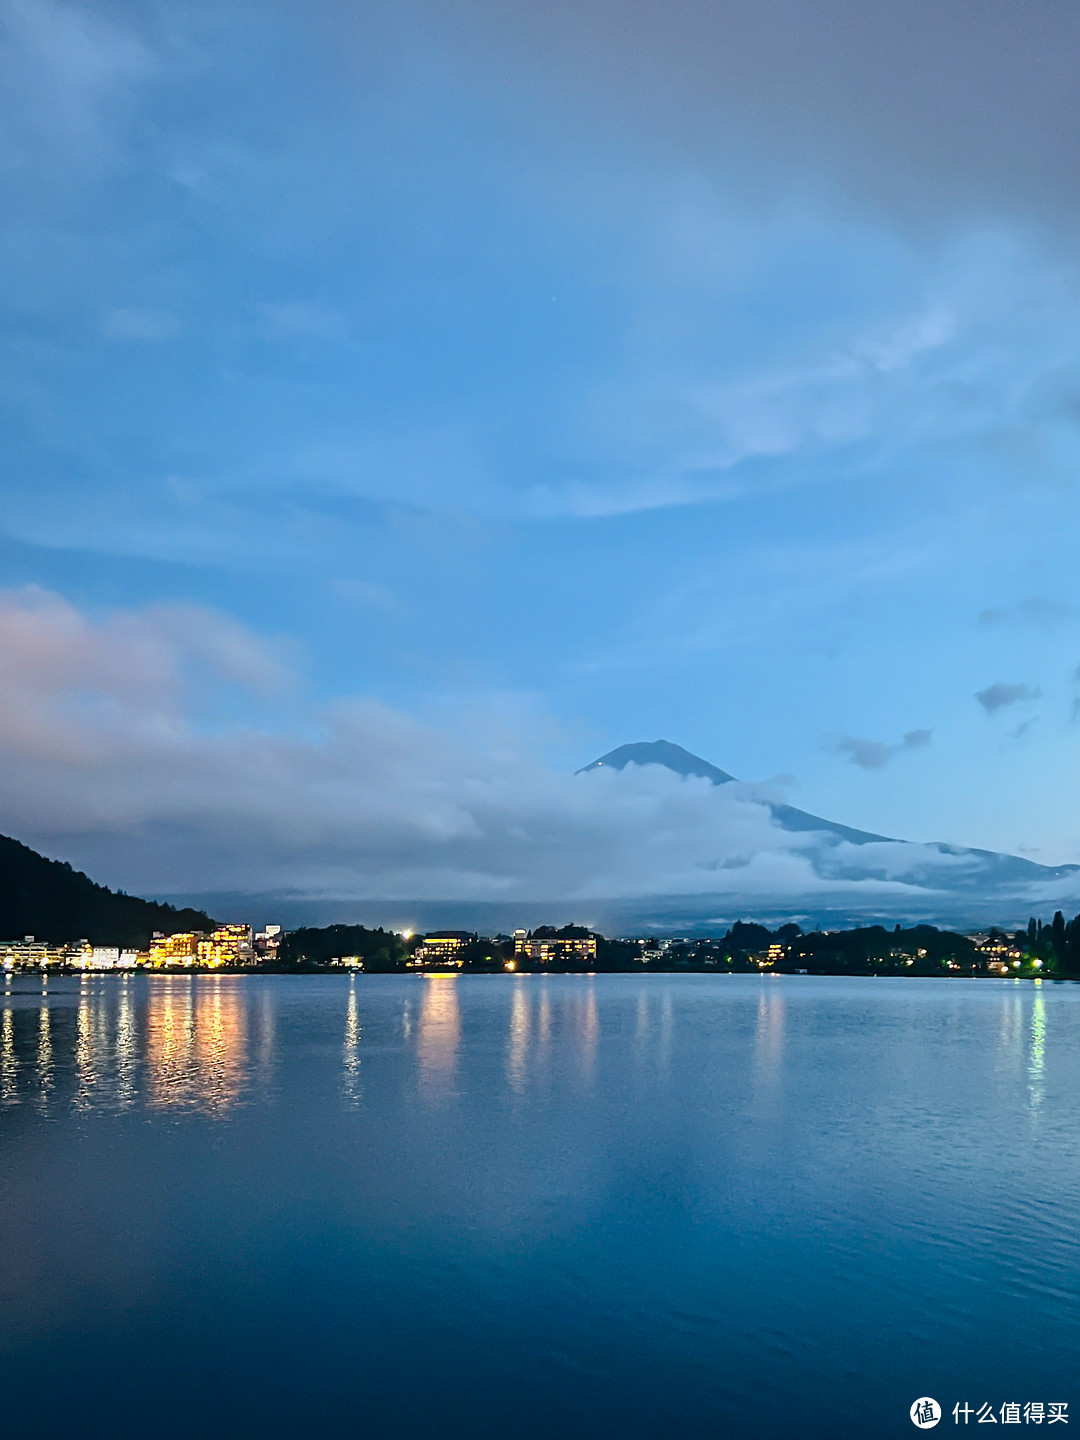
x=380, y=950
x=56, y=903
x=745, y=948
x=1056, y=944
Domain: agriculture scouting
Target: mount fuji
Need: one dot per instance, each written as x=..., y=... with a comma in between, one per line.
x=941, y=881
x=651, y=839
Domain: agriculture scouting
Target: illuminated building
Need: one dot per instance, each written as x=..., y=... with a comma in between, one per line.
x=181, y=949
x=267, y=942
x=444, y=948
x=98, y=957
x=571, y=945
x=228, y=945
x=772, y=955
x=17, y=954
x=71, y=955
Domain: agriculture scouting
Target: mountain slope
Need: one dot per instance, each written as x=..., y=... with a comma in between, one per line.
x=987, y=867
x=674, y=757
x=660, y=752
x=51, y=901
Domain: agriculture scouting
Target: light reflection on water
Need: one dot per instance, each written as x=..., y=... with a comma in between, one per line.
x=197, y=1043
x=353, y=1086
x=9, y=1066
x=769, y=1040
x=126, y=1047
x=1037, y=1052
x=438, y=1036
x=587, y=1026
x=517, y=1050
x=44, y=1057
x=683, y=1202
x=209, y=1043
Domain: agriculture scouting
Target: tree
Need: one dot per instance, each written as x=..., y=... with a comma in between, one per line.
x=1057, y=937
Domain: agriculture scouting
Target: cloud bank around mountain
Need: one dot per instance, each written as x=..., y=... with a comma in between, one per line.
x=123, y=749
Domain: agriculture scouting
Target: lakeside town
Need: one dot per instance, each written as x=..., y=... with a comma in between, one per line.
x=1040, y=950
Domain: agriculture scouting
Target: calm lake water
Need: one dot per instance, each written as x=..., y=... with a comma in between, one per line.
x=534, y=1206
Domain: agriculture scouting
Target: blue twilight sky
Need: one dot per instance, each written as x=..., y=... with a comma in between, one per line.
x=404, y=404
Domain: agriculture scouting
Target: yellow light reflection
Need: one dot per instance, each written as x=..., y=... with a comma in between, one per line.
x=196, y=1043
x=438, y=1034
x=44, y=1056
x=9, y=1066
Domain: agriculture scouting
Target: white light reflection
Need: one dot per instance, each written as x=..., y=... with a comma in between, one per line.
x=1037, y=1051
x=85, y=1066
x=769, y=1039
x=126, y=1048
x=9, y=1065
x=353, y=1082
x=588, y=1029
x=44, y=1056
x=1010, y=1052
x=264, y=1065
x=517, y=1051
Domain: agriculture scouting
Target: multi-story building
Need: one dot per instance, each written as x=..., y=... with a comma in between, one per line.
x=446, y=947
x=571, y=945
x=267, y=942
x=181, y=949
x=39, y=954
x=101, y=957
x=227, y=945
x=72, y=955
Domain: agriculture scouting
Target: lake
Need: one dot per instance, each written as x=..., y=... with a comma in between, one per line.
x=535, y=1205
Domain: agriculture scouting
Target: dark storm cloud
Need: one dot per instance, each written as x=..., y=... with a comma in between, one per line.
x=931, y=101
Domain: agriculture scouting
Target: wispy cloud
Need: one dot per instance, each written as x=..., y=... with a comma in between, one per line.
x=301, y=320
x=874, y=754
x=1001, y=696
x=134, y=324
x=367, y=593
x=1032, y=611
x=68, y=77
